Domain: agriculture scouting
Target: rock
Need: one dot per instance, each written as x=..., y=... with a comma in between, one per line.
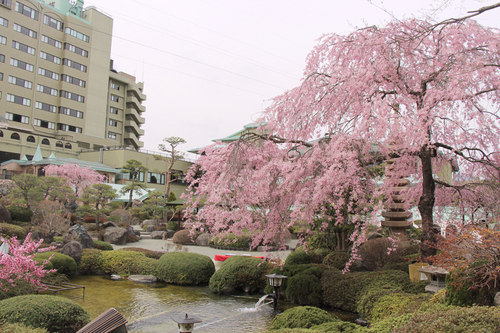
x=142, y=278
x=373, y=235
x=149, y=222
x=170, y=233
x=5, y=215
x=203, y=239
x=135, y=221
x=79, y=233
x=124, y=215
x=115, y=277
x=116, y=236
x=150, y=228
x=57, y=245
x=137, y=203
x=362, y=322
x=73, y=249
x=131, y=231
x=109, y=224
x=496, y=301
x=158, y=234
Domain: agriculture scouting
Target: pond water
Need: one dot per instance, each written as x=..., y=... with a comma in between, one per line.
x=149, y=307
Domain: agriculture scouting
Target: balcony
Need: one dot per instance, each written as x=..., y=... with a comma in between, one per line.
x=132, y=100
x=133, y=112
x=136, y=89
x=131, y=139
x=132, y=125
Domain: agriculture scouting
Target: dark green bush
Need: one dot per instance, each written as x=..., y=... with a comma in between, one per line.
x=374, y=255
x=299, y=257
x=26, y=225
x=22, y=214
x=172, y=225
x=240, y=274
x=63, y=263
x=53, y=313
x=301, y=317
x=336, y=259
x=292, y=270
x=12, y=230
x=345, y=290
x=185, y=268
x=304, y=289
x=460, y=293
x=336, y=326
x=90, y=262
x=146, y=252
x=387, y=325
x=21, y=288
x=20, y=328
x=104, y=246
x=232, y=241
x=397, y=266
x=58, y=239
x=127, y=263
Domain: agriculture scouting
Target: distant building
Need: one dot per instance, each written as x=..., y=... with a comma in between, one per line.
x=58, y=87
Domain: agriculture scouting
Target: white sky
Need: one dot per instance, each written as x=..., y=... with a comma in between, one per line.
x=211, y=66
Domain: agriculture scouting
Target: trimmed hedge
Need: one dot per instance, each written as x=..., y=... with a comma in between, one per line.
x=299, y=256
x=104, y=246
x=301, y=317
x=20, y=328
x=126, y=263
x=336, y=259
x=22, y=214
x=344, y=291
x=53, y=313
x=185, y=268
x=240, y=273
x=336, y=326
x=22, y=288
x=146, y=252
x=12, y=230
x=292, y=270
x=63, y=263
x=232, y=241
x=90, y=262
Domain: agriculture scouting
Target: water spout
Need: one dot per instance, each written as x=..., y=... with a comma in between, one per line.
x=260, y=303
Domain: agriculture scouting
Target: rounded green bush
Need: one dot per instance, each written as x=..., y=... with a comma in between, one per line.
x=304, y=289
x=53, y=313
x=292, y=270
x=21, y=288
x=126, y=263
x=63, y=263
x=240, y=273
x=12, y=230
x=104, y=246
x=301, y=317
x=21, y=214
x=336, y=326
x=89, y=264
x=185, y=268
x=58, y=239
x=146, y=252
x=336, y=259
x=20, y=328
x=345, y=290
x=172, y=225
x=299, y=257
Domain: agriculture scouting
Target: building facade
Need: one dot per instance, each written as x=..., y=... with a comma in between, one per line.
x=58, y=87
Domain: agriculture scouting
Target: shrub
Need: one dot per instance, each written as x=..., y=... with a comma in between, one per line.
x=184, y=237
x=299, y=257
x=104, y=246
x=304, y=289
x=22, y=288
x=387, y=325
x=240, y=274
x=22, y=214
x=185, y=268
x=12, y=230
x=146, y=252
x=374, y=255
x=345, y=290
x=301, y=317
x=292, y=270
x=53, y=313
x=336, y=326
x=127, y=263
x=20, y=328
x=21, y=224
x=63, y=263
x=172, y=225
x=90, y=262
x=58, y=239
x=460, y=293
x=232, y=241
x=336, y=259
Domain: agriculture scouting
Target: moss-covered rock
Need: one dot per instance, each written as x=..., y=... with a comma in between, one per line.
x=104, y=246
x=13, y=230
x=240, y=274
x=185, y=268
x=53, y=313
x=301, y=317
x=63, y=263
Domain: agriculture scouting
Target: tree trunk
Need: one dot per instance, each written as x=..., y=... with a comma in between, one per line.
x=426, y=205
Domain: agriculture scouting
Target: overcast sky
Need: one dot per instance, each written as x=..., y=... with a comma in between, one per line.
x=211, y=66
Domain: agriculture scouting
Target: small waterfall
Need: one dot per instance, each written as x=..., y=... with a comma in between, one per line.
x=257, y=305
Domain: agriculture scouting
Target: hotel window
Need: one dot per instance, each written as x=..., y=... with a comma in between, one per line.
x=76, y=34
x=27, y=11
x=23, y=47
x=24, y=30
x=47, y=73
x=51, y=41
x=75, y=65
x=4, y=22
x=73, y=80
x=3, y=40
x=115, y=98
x=45, y=141
x=21, y=64
x=139, y=176
x=113, y=123
x=30, y=138
x=111, y=135
x=43, y=123
x=46, y=90
x=67, y=145
x=51, y=22
x=15, y=136
x=18, y=100
x=17, y=118
x=45, y=106
x=113, y=110
x=20, y=82
x=73, y=96
x=59, y=144
x=115, y=86
x=50, y=57
x=2, y=58
x=70, y=112
x=156, y=178
x=76, y=49
x=69, y=128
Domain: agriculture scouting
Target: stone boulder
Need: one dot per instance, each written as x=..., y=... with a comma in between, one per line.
x=142, y=278
x=79, y=233
x=159, y=235
x=170, y=233
x=116, y=236
x=135, y=221
x=203, y=239
x=5, y=215
x=149, y=222
x=109, y=224
x=150, y=228
x=124, y=215
x=73, y=249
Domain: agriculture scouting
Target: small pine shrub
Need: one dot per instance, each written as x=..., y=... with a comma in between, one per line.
x=63, y=263
x=301, y=317
x=185, y=268
x=90, y=262
x=172, y=225
x=12, y=230
x=127, y=263
x=240, y=274
x=22, y=214
x=53, y=313
x=104, y=246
